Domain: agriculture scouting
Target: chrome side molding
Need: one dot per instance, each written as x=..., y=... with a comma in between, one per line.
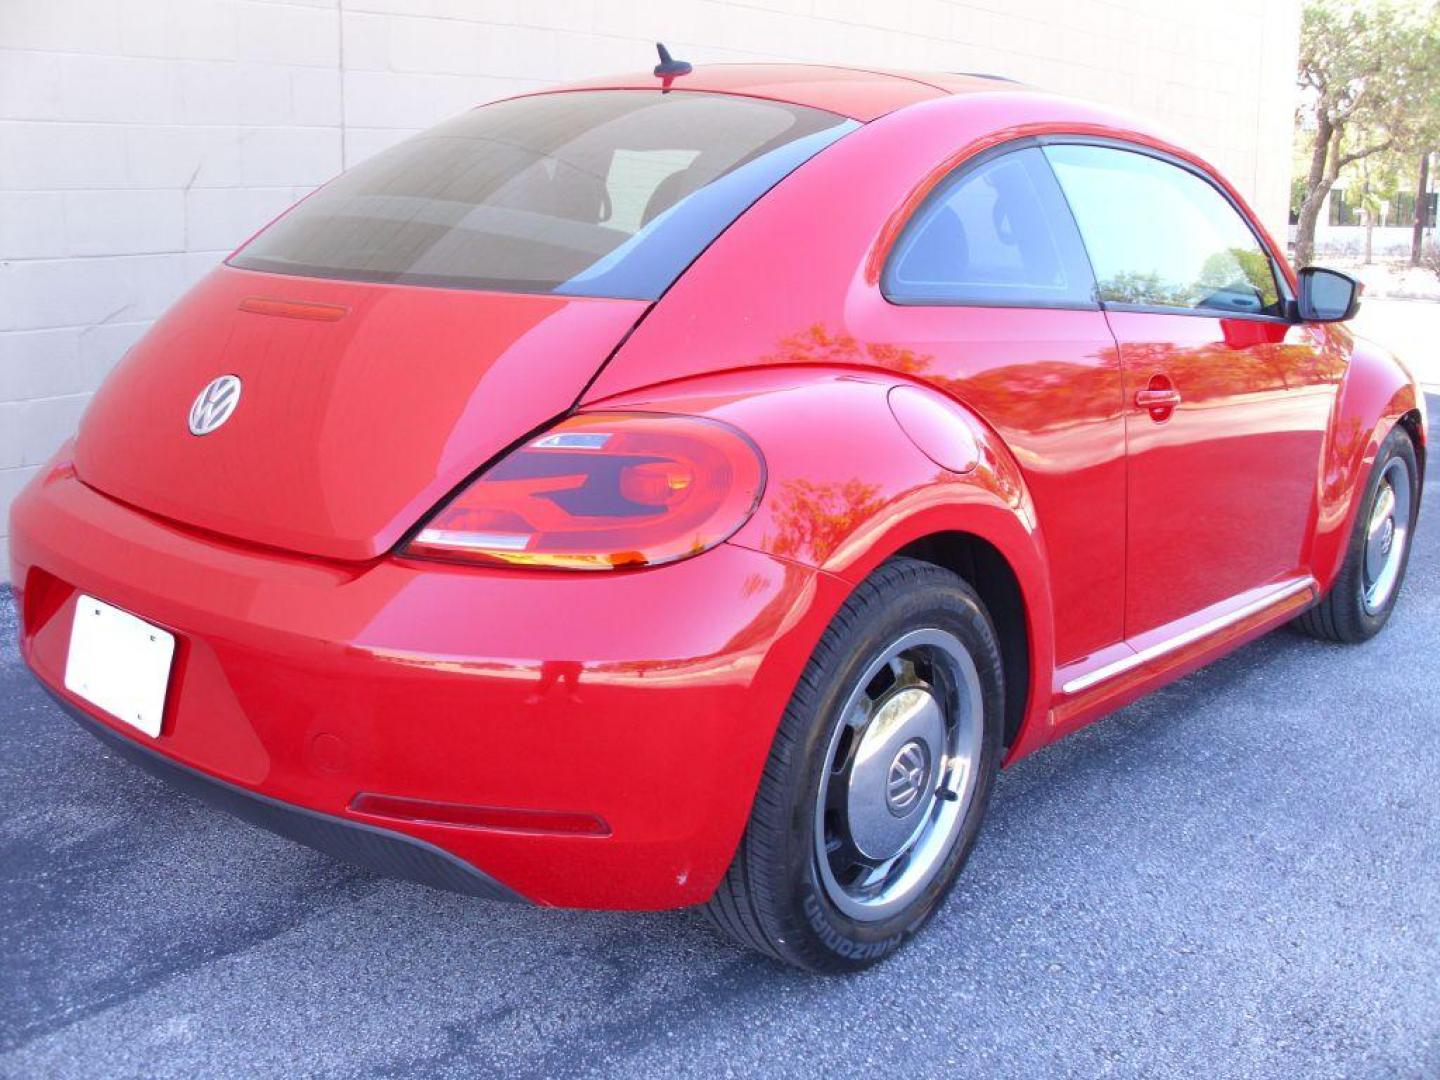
x=1194, y=634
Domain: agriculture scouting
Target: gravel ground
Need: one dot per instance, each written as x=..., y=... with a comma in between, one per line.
x=1239, y=876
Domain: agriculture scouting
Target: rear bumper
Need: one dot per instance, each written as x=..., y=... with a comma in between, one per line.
x=381, y=850
x=648, y=699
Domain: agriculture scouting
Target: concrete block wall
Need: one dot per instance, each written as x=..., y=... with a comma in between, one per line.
x=141, y=140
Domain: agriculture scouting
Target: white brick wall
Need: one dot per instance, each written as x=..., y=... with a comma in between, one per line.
x=140, y=140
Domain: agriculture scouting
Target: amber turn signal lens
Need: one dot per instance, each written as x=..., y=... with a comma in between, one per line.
x=603, y=491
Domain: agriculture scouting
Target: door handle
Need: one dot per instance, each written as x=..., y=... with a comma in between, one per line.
x=1157, y=399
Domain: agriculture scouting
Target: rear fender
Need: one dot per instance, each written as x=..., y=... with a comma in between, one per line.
x=847, y=486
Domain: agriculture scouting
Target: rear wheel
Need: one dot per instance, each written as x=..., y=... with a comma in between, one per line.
x=1364, y=593
x=878, y=777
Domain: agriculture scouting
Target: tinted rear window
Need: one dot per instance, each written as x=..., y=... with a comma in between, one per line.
x=601, y=193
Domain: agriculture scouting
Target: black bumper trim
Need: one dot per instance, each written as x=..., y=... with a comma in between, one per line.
x=391, y=854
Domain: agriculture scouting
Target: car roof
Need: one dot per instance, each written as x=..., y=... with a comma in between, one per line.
x=859, y=93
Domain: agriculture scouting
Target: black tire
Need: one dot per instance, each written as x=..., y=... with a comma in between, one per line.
x=1342, y=614
x=772, y=898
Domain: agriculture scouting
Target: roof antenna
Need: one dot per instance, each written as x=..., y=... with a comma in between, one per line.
x=669, y=68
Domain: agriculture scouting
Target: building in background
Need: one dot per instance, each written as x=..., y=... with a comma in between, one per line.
x=141, y=141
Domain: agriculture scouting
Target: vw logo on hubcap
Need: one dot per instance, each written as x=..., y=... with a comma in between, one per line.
x=214, y=405
x=905, y=782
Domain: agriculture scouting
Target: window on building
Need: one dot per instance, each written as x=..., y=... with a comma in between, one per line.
x=1342, y=210
x=1404, y=213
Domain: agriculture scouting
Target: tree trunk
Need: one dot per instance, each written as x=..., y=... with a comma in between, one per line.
x=1369, y=212
x=1305, y=227
x=1317, y=186
x=1417, y=237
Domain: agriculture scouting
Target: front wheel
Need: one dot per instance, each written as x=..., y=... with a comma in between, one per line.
x=878, y=777
x=1360, y=601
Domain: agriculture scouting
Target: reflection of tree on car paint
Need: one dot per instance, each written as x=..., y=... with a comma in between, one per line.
x=813, y=518
x=818, y=344
x=1044, y=393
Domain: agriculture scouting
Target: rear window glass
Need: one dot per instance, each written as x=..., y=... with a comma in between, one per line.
x=602, y=193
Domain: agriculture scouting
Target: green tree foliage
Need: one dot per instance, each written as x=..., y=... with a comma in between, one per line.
x=1368, y=74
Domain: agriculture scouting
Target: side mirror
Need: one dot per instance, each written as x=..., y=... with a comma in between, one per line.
x=1327, y=295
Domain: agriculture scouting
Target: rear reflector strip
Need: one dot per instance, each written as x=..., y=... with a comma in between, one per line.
x=501, y=818
x=293, y=309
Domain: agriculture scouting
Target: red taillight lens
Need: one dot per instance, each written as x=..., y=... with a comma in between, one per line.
x=602, y=491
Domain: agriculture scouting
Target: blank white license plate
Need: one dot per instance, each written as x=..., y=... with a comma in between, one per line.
x=119, y=663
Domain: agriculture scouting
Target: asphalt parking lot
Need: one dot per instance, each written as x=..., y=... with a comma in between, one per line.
x=1239, y=876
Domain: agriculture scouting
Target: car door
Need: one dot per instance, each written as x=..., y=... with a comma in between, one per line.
x=988, y=296
x=1227, y=399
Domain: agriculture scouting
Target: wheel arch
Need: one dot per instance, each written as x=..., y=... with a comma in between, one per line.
x=1414, y=424
x=984, y=567
x=1375, y=394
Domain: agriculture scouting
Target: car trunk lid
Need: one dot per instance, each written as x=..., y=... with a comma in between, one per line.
x=361, y=405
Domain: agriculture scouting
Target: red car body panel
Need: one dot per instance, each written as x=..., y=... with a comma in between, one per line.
x=314, y=664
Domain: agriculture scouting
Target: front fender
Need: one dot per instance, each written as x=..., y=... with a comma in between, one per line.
x=847, y=487
x=1375, y=392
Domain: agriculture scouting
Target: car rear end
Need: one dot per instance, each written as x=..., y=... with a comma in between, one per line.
x=382, y=592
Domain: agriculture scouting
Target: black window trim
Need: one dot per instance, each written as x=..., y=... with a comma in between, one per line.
x=1282, y=284
x=938, y=193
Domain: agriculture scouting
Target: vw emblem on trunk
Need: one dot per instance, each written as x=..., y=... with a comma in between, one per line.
x=214, y=405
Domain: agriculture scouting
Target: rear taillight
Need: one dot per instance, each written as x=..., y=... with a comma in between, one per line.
x=603, y=491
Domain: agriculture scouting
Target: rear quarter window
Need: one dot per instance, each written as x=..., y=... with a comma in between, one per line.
x=996, y=232
x=606, y=193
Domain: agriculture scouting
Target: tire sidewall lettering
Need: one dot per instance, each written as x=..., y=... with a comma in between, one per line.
x=834, y=940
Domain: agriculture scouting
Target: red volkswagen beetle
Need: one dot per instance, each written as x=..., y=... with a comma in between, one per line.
x=690, y=489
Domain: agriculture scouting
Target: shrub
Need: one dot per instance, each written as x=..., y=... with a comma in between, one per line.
x=1430, y=257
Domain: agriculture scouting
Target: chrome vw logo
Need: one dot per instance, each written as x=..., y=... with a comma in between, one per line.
x=214, y=405
x=905, y=782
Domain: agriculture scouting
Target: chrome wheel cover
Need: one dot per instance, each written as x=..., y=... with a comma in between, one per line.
x=899, y=774
x=1386, y=535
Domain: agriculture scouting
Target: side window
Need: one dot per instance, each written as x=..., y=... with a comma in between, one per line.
x=995, y=233
x=1161, y=236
